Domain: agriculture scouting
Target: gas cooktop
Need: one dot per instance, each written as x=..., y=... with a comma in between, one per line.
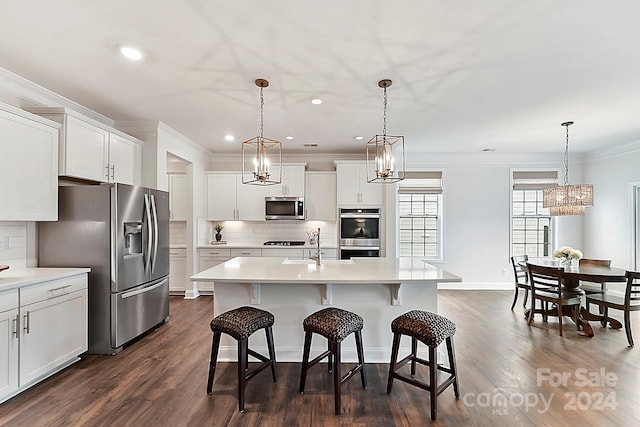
x=284, y=243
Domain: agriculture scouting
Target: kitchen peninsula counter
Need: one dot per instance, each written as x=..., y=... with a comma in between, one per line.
x=378, y=289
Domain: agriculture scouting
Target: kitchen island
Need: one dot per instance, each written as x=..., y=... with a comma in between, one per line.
x=378, y=289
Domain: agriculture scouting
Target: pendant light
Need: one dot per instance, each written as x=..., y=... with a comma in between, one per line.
x=385, y=153
x=261, y=157
x=567, y=199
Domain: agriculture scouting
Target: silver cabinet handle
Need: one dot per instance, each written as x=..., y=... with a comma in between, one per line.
x=113, y=172
x=107, y=174
x=59, y=288
x=15, y=325
x=26, y=322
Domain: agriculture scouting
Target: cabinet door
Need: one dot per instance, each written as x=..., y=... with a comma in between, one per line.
x=8, y=352
x=205, y=263
x=28, y=169
x=178, y=197
x=85, y=153
x=370, y=193
x=53, y=332
x=348, y=187
x=178, y=270
x=250, y=201
x=320, y=196
x=293, y=180
x=221, y=196
x=124, y=160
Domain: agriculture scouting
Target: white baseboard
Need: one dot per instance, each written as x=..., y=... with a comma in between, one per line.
x=485, y=286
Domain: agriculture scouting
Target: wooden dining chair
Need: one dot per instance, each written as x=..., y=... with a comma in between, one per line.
x=594, y=287
x=630, y=302
x=521, y=278
x=546, y=286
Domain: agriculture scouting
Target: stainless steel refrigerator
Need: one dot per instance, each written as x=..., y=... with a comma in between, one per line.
x=122, y=233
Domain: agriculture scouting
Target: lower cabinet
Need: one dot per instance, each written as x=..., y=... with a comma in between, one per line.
x=177, y=270
x=208, y=258
x=46, y=332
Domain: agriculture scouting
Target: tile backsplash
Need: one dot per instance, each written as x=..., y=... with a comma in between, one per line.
x=178, y=232
x=13, y=244
x=241, y=232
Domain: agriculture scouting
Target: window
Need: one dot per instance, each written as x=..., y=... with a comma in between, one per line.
x=530, y=221
x=420, y=215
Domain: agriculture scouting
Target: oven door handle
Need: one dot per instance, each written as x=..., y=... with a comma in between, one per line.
x=360, y=248
x=357, y=216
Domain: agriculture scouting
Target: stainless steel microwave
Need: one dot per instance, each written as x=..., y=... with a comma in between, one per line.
x=283, y=208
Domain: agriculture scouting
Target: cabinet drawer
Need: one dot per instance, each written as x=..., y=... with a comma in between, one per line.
x=8, y=300
x=214, y=252
x=52, y=289
x=246, y=252
x=287, y=252
x=177, y=252
x=325, y=253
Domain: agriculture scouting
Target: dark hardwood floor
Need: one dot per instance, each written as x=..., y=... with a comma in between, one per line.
x=510, y=374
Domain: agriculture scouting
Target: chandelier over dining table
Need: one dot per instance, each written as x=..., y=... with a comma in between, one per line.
x=567, y=199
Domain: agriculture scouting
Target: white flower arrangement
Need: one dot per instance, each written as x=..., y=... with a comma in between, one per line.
x=567, y=253
x=313, y=235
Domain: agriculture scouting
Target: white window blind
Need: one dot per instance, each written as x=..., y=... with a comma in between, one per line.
x=534, y=180
x=421, y=182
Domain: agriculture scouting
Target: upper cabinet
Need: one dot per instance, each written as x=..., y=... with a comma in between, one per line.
x=228, y=199
x=178, y=197
x=320, y=196
x=28, y=166
x=94, y=151
x=353, y=188
x=292, y=184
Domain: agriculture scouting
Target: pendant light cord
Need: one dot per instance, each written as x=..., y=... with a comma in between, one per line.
x=384, y=112
x=261, y=115
x=566, y=156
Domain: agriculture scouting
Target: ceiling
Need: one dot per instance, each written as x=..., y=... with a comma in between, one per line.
x=467, y=75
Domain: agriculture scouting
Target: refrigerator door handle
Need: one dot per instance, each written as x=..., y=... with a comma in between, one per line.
x=147, y=210
x=154, y=212
x=144, y=290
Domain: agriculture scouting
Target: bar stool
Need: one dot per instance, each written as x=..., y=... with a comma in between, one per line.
x=335, y=325
x=431, y=329
x=240, y=323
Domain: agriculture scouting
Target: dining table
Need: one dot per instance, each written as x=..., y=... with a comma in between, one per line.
x=572, y=276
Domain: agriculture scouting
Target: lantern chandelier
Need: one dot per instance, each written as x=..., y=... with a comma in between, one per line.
x=383, y=164
x=261, y=156
x=567, y=199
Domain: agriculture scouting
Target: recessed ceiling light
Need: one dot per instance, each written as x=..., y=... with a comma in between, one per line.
x=358, y=138
x=229, y=138
x=131, y=52
x=288, y=137
x=316, y=101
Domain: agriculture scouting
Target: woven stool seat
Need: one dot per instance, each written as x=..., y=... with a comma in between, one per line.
x=242, y=322
x=333, y=323
x=429, y=328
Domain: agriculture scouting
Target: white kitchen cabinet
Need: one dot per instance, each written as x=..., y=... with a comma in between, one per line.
x=208, y=258
x=229, y=199
x=284, y=252
x=178, y=197
x=94, y=151
x=353, y=188
x=320, y=196
x=54, y=331
x=292, y=184
x=8, y=342
x=28, y=166
x=178, y=270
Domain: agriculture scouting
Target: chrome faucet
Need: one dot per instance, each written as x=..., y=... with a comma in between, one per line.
x=317, y=258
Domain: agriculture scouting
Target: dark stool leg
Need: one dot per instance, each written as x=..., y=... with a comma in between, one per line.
x=337, y=375
x=433, y=380
x=360, y=351
x=305, y=360
x=242, y=366
x=394, y=357
x=453, y=366
x=272, y=352
x=414, y=353
x=212, y=362
x=330, y=360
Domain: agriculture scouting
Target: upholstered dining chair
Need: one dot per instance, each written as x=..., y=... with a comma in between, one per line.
x=521, y=278
x=594, y=287
x=630, y=302
x=546, y=285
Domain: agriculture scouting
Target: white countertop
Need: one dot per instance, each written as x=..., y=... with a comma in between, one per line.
x=360, y=271
x=10, y=279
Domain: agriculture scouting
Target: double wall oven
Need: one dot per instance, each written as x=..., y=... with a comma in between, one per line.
x=359, y=233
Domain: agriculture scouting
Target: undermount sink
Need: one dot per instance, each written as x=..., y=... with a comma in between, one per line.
x=311, y=261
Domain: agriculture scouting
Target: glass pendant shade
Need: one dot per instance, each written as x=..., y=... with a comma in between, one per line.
x=567, y=199
x=261, y=157
x=385, y=153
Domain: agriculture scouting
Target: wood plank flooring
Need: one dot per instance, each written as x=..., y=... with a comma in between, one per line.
x=507, y=376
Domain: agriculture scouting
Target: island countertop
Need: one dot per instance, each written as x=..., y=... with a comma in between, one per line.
x=355, y=271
